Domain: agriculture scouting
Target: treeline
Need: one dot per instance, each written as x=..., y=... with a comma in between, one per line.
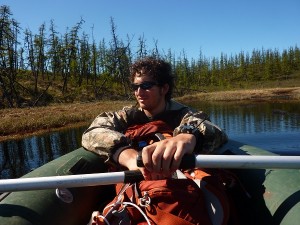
x=33, y=66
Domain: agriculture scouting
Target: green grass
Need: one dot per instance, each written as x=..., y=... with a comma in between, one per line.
x=19, y=122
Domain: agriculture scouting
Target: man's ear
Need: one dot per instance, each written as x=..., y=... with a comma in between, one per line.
x=165, y=88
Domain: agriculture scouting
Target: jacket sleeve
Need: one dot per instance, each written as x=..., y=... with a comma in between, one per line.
x=211, y=136
x=105, y=134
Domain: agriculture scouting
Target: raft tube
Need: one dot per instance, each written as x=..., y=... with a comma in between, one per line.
x=273, y=195
x=266, y=197
x=52, y=206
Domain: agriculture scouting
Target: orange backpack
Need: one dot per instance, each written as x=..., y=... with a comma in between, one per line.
x=183, y=201
x=196, y=197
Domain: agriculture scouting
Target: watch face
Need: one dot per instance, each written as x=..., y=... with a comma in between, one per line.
x=187, y=129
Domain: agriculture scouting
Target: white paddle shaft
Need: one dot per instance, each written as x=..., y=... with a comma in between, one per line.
x=200, y=161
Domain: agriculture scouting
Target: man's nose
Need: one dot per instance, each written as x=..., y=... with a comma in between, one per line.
x=139, y=90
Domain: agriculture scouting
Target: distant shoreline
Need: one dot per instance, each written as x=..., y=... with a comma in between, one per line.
x=20, y=123
x=267, y=94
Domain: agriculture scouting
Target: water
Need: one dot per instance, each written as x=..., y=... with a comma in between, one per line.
x=271, y=126
x=19, y=157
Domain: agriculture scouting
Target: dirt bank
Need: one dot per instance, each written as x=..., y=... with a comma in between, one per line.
x=271, y=94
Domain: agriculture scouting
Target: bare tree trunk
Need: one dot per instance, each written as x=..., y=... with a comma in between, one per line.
x=9, y=29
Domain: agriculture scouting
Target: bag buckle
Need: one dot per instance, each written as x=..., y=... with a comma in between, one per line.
x=145, y=201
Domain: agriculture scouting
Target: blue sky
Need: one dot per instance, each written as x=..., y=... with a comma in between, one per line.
x=212, y=26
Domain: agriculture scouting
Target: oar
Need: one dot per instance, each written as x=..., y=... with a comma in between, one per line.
x=201, y=161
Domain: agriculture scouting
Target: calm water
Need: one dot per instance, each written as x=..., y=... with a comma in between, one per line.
x=272, y=126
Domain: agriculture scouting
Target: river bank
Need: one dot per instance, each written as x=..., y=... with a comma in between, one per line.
x=23, y=122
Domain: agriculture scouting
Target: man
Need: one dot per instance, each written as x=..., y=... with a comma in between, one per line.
x=152, y=82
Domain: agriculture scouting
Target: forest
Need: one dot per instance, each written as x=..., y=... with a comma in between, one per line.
x=49, y=67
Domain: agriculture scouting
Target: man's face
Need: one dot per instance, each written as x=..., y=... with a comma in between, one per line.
x=149, y=95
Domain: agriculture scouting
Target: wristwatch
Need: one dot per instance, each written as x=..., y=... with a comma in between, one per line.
x=139, y=159
x=187, y=128
x=190, y=129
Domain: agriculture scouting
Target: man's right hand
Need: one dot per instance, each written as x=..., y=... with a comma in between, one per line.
x=127, y=158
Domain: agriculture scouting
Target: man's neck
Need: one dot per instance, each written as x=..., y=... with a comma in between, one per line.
x=153, y=113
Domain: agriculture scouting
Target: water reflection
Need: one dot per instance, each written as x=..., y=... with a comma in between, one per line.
x=19, y=157
x=272, y=126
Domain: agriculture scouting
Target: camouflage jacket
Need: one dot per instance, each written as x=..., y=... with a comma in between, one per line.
x=106, y=133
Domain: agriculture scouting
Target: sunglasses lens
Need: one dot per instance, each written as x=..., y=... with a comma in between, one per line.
x=134, y=87
x=144, y=86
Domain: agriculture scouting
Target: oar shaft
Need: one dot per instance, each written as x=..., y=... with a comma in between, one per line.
x=66, y=181
x=201, y=161
x=247, y=162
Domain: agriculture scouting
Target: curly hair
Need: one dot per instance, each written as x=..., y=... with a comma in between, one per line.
x=158, y=69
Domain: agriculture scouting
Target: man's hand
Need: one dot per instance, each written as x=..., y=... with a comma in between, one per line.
x=161, y=159
x=164, y=157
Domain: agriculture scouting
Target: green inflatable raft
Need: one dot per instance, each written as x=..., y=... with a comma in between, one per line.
x=273, y=194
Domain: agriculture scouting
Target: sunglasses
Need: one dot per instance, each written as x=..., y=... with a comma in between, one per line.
x=145, y=85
